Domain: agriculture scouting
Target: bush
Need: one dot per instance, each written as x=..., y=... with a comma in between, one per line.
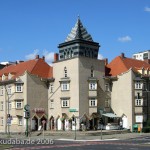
x=146, y=129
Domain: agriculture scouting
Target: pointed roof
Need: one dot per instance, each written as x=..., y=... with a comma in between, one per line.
x=122, y=64
x=36, y=67
x=79, y=32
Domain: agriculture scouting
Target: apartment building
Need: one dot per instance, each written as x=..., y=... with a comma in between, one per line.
x=144, y=55
x=20, y=84
x=130, y=90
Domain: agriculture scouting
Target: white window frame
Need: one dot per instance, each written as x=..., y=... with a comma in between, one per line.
x=92, y=85
x=9, y=89
x=138, y=102
x=138, y=85
x=65, y=86
x=20, y=103
x=20, y=120
x=51, y=104
x=65, y=103
x=19, y=87
x=93, y=102
x=9, y=106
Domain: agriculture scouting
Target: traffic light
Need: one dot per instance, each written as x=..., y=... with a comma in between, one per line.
x=101, y=120
x=27, y=114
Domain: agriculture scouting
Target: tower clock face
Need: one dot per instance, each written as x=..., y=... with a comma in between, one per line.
x=27, y=107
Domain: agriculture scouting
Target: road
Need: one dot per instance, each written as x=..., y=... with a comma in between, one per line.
x=141, y=143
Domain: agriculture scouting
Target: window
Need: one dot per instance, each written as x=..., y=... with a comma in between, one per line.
x=51, y=88
x=93, y=102
x=1, y=106
x=51, y=104
x=107, y=104
x=2, y=121
x=65, y=72
x=9, y=106
x=107, y=87
x=92, y=86
x=20, y=120
x=138, y=85
x=92, y=72
x=138, y=102
x=2, y=90
x=65, y=103
x=18, y=104
x=9, y=76
x=9, y=89
x=65, y=86
x=3, y=77
x=18, y=87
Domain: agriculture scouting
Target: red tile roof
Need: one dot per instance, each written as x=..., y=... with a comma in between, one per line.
x=123, y=64
x=36, y=67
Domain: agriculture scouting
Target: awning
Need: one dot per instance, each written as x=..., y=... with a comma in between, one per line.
x=110, y=115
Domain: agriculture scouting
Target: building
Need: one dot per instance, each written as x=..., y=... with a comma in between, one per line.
x=78, y=88
x=145, y=55
x=129, y=81
x=20, y=84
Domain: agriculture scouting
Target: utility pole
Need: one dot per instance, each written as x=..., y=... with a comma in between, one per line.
x=27, y=116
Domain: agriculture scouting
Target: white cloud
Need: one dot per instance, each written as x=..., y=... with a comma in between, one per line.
x=125, y=39
x=49, y=56
x=100, y=56
x=147, y=9
x=32, y=55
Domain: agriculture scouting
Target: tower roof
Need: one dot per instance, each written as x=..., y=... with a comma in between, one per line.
x=79, y=32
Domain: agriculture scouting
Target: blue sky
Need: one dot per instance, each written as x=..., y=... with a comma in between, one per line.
x=30, y=27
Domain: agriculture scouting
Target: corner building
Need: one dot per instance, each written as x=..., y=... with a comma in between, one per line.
x=77, y=89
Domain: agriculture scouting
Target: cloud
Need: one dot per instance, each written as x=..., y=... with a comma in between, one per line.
x=125, y=39
x=100, y=56
x=49, y=56
x=32, y=55
x=147, y=9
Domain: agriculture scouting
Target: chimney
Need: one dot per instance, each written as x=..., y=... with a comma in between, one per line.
x=56, y=55
x=37, y=57
x=122, y=55
x=43, y=58
x=106, y=61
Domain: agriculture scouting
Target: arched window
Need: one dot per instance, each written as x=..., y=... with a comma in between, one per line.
x=92, y=71
x=65, y=72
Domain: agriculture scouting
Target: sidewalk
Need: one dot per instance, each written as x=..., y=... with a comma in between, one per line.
x=86, y=135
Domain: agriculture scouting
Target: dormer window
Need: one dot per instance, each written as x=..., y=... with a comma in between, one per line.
x=9, y=76
x=3, y=77
x=65, y=72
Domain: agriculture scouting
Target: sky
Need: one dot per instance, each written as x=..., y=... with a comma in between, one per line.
x=31, y=27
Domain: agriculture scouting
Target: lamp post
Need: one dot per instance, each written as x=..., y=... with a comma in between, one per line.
x=27, y=116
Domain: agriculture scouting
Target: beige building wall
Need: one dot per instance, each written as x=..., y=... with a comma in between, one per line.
x=79, y=72
x=34, y=92
x=122, y=97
